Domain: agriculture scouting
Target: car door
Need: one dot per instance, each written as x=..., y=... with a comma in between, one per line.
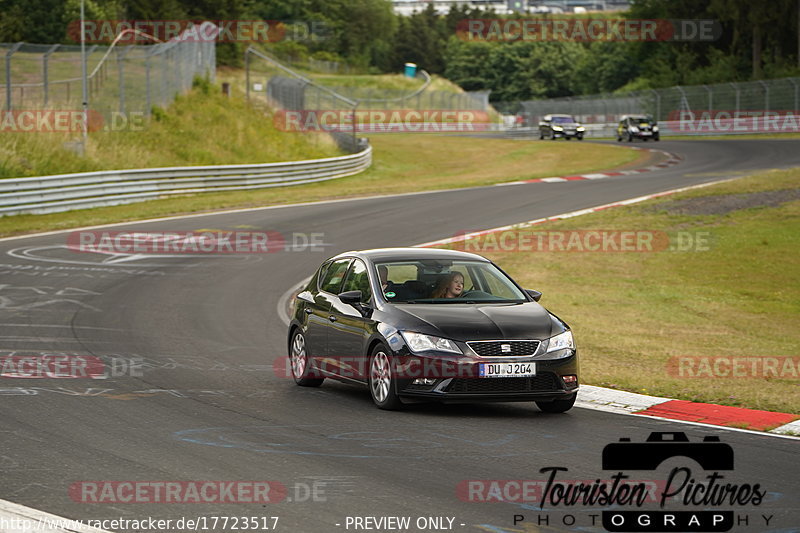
x=351, y=327
x=318, y=311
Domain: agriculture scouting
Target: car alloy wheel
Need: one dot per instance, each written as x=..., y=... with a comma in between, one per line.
x=381, y=380
x=557, y=406
x=298, y=356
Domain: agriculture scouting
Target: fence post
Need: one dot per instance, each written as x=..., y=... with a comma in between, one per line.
x=121, y=72
x=45, y=78
x=658, y=104
x=710, y=98
x=8, y=74
x=766, y=94
x=736, y=88
x=247, y=72
x=794, y=84
x=149, y=96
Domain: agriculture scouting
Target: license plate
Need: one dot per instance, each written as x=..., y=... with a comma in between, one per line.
x=646, y=133
x=506, y=370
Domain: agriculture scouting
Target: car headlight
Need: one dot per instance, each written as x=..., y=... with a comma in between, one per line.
x=561, y=341
x=580, y=128
x=418, y=342
x=634, y=129
x=655, y=128
x=557, y=128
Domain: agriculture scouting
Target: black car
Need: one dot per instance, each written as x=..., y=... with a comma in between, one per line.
x=555, y=126
x=427, y=324
x=637, y=127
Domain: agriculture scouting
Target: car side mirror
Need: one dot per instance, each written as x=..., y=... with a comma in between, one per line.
x=350, y=297
x=536, y=295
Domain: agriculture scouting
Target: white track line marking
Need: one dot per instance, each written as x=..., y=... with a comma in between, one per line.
x=20, y=519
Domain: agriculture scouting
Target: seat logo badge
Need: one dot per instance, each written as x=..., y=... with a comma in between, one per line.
x=505, y=348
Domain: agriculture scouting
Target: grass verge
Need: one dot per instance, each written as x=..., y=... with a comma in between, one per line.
x=200, y=128
x=402, y=163
x=733, y=293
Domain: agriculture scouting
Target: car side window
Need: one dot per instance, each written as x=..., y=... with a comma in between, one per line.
x=358, y=280
x=332, y=280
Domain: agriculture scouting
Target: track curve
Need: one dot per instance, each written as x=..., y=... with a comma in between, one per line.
x=206, y=404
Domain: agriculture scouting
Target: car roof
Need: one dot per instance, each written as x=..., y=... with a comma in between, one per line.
x=393, y=254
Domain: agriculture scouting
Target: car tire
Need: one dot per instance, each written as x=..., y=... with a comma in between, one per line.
x=557, y=406
x=552, y=136
x=630, y=138
x=619, y=139
x=579, y=137
x=300, y=365
x=541, y=136
x=382, y=383
x=656, y=138
x=567, y=137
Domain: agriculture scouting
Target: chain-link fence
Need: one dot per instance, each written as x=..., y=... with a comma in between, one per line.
x=741, y=107
x=122, y=80
x=348, y=112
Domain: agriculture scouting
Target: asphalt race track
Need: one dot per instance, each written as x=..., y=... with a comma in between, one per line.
x=203, y=402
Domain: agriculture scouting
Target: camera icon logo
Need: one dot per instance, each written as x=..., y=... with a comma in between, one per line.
x=710, y=454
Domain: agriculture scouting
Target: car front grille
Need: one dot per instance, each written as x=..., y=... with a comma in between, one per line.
x=504, y=348
x=545, y=382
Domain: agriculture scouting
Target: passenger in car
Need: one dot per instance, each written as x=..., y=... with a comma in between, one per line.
x=449, y=286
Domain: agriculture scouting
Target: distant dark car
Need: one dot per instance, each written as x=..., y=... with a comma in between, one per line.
x=492, y=342
x=637, y=127
x=555, y=126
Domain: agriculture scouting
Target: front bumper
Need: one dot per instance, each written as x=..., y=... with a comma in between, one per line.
x=455, y=379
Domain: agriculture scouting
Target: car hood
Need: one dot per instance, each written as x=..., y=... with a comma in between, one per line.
x=467, y=322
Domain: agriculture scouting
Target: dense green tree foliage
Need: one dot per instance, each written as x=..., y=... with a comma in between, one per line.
x=758, y=40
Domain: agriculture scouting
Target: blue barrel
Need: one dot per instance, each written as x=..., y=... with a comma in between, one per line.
x=411, y=70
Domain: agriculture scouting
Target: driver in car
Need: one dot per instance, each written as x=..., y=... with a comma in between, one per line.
x=449, y=286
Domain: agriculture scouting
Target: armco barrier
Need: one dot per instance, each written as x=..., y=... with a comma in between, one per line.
x=51, y=194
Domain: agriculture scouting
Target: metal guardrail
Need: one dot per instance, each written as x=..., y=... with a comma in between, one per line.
x=64, y=192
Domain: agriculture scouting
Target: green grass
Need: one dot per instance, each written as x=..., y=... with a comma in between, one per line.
x=402, y=163
x=631, y=312
x=200, y=128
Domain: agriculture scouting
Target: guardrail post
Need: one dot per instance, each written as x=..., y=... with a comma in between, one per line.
x=8, y=74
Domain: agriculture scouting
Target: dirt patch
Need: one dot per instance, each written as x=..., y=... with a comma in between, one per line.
x=723, y=204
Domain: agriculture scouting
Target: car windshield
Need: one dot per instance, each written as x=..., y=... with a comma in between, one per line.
x=563, y=120
x=645, y=120
x=445, y=281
